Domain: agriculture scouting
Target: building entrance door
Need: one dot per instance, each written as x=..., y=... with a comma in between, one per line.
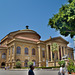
x=26, y=63
x=3, y=64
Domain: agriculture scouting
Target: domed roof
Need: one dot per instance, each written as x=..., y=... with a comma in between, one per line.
x=29, y=32
x=24, y=33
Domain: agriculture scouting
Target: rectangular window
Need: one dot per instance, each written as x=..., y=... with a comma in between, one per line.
x=71, y=56
x=12, y=50
x=68, y=54
x=43, y=54
x=3, y=56
x=65, y=50
x=49, y=52
x=62, y=51
x=53, y=55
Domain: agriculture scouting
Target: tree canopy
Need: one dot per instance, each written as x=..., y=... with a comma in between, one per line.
x=64, y=20
x=54, y=47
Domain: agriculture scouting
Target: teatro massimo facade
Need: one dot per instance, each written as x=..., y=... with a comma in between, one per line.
x=25, y=45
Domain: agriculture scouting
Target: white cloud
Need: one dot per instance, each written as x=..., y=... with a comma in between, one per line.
x=70, y=44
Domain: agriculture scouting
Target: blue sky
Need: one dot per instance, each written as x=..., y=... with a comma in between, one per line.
x=16, y=14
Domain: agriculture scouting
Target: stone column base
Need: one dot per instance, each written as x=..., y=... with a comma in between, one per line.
x=0, y=65
x=22, y=64
x=40, y=64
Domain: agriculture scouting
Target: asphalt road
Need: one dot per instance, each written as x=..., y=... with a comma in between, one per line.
x=37, y=72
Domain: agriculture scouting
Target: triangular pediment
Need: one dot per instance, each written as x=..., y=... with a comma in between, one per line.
x=59, y=39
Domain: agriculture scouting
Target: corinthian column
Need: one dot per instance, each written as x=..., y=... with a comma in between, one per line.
x=51, y=55
x=47, y=52
x=64, y=51
x=39, y=51
x=61, y=52
x=58, y=53
x=14, y=52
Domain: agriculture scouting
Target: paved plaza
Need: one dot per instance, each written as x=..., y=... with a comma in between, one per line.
x=25, y=72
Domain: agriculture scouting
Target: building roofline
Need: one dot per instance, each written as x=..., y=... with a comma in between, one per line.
x=56, y=38
x=17, y=33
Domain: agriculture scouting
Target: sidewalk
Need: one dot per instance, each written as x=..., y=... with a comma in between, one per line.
x=28, y=69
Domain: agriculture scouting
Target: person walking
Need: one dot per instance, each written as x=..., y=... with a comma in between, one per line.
x=62, y=70
x=5, y=67
x=31, y=70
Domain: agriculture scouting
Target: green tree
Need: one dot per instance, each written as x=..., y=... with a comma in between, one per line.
x=18, y=64
x=71, y=66
x=70, y=1
x=64, y=20
x=30, y=63
x=54, y=48
x=61, y=63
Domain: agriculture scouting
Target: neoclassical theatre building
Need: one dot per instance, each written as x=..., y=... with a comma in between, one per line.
x=25, y=45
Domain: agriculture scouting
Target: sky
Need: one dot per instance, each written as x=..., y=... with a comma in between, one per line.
x=16, y=14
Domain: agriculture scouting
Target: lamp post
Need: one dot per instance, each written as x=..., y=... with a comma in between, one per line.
x=74, y=47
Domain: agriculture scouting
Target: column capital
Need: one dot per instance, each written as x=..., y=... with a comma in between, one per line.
x=40, y=61
x=39, y=46
x=46, y=45
x=49, y=44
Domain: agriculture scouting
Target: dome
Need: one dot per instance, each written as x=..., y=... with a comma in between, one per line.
x=26, y=33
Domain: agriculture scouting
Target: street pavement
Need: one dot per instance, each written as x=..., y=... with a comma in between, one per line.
x=25, y=72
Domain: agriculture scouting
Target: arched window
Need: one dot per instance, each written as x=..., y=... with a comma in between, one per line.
x=26, y=51
x=3, y=55
x=33, y=51
x=18, y=50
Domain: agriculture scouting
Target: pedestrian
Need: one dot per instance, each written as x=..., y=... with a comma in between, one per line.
x=8, y=67
x=5, y=67
x=31, y=70
x=62, y=70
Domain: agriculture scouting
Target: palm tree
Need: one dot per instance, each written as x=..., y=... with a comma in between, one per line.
x=54, y=48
